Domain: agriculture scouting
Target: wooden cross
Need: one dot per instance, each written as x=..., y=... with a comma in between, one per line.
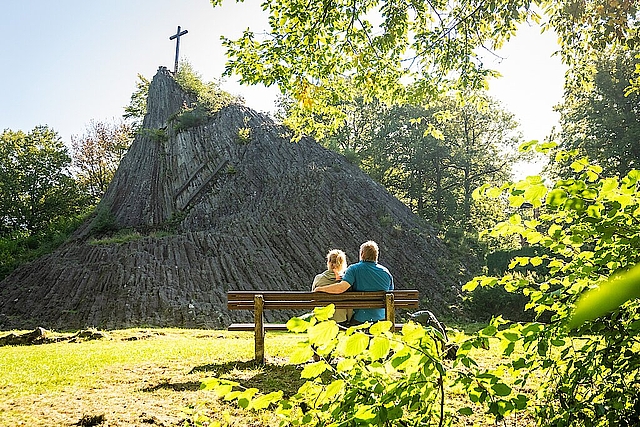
x=177, y=37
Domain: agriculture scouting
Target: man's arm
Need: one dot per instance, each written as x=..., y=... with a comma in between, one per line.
x=335, y=288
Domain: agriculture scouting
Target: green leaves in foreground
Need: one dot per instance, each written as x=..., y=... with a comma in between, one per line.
x=607, y=297
x=365, y=375
x=583, y=287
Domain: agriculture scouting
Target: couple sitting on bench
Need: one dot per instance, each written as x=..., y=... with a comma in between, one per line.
x=364, y=276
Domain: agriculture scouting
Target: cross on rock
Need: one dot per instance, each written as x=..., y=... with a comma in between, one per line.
x=177, y=37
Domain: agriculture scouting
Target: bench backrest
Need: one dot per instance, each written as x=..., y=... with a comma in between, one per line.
x=280, y=300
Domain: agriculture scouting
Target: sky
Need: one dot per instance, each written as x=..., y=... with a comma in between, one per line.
x=64, y=63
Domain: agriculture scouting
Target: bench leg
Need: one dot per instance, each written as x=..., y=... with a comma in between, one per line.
x=258, y=318
x=390, y=309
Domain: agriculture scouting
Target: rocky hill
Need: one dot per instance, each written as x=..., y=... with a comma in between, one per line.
x=230, y=203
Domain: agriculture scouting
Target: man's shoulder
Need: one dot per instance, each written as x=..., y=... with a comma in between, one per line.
x=382, y=267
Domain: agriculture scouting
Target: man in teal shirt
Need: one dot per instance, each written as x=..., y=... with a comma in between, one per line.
x=365, y=276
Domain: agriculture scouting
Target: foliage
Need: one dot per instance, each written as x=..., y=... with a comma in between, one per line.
x=587, y=29
x=208, y=94
x=97, y=154
x=606, y=297
x=433, y=158
x=20, y=248
x=600, y=119
x=104, y=222
x=190, y=117
x=588, y=224
x=364, y=375
x=498, y=261
x=121, y=236
x=316, y=52
x=137, y=108
x=36, y=186
x=157, y=135
x=244, y=133
x=209, y=98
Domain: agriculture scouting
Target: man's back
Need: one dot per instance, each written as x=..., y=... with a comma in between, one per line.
x=368, y=276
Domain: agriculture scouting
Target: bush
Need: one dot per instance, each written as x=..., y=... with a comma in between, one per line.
x=588, y=226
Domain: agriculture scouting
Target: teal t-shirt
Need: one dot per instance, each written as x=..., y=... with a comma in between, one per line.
x=368, y=276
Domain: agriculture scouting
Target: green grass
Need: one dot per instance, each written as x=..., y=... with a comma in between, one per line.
x=133, y=377
x=148, y=377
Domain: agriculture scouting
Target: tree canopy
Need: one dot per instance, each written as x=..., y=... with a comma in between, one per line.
x=600, y=120
x=97, y=154
x=36, y=186
x=316, y=51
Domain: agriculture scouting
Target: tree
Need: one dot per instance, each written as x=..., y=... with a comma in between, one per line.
x=36, y=186
x=314, y=48
x=588, y=226
x=600, y=120
x=137, y=107
x=433, y=172
x=97, y=154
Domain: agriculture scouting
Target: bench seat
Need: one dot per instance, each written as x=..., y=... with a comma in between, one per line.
x=273, y=327
x=258, y=301
x=251, y=327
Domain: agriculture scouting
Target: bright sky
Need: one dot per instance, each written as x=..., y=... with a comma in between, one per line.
x=67, y=62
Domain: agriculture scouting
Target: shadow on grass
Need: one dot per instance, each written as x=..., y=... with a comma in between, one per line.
x=185, y=386
x=266, y=378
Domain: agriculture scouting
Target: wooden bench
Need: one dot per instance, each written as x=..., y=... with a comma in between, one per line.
x=258, y=301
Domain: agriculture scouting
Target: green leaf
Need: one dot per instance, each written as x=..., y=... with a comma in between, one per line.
x=232, y=395
x=335, y=387
x=380, y=327
x=515, y=219
x=607, y=297
x=324, y=313
x=313, y=370
x=223, y=390
x=356, y=344
x=556, y=197
x=264, y=401
x=578, y=165
x=595, y=211
x=465, y=411
x=412, y=331
x=609, y=185
x=489, y=331
x=516, y=201
x=297, y=325
x=244, y=398
x=546, y=147
x=535, y=194
x=527, y=146
x=365, y=413
x=501, y=389
x=576, y=204
x=345, y=365
x=301, y=355
x=494, y=192
x=536, y=261
x=323, y=332
x=379, y=348
x=471, y=285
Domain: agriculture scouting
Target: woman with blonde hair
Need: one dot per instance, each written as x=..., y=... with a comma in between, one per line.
x=336, y=266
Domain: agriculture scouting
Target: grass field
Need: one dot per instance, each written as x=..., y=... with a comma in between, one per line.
x=133, y=378
x=142, y=377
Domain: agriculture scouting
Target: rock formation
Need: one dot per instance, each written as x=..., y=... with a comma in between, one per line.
x=230, y=203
